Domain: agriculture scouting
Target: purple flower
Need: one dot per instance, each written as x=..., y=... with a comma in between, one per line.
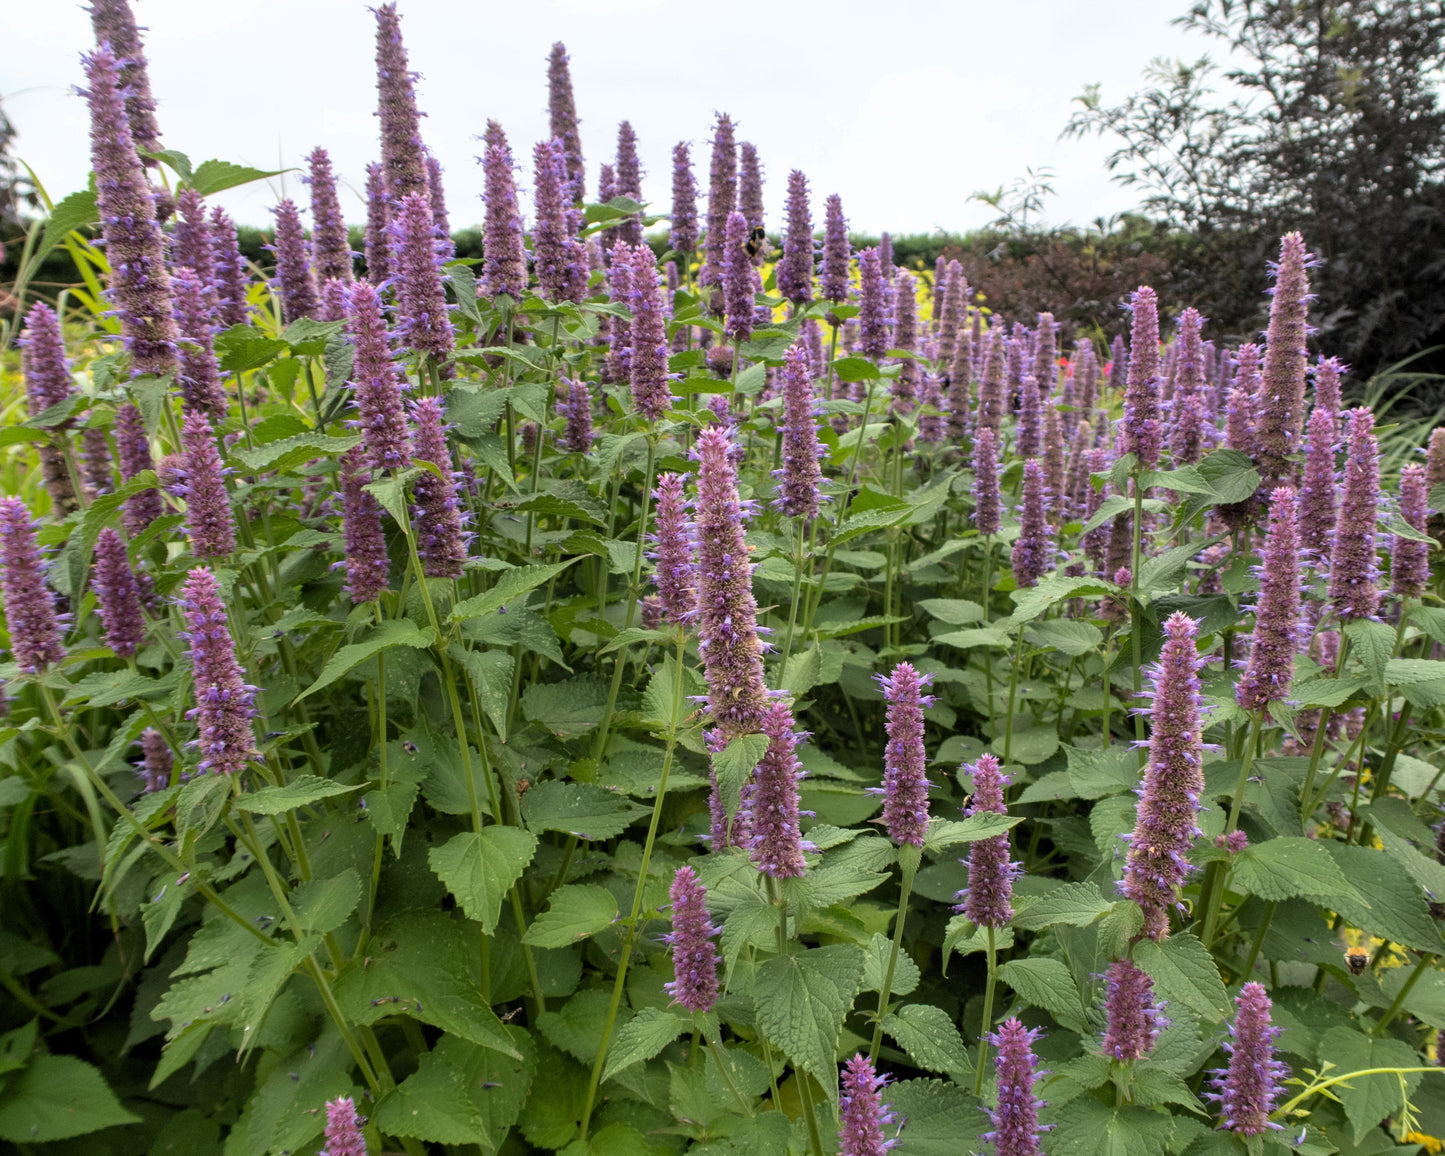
x=1166, y=823
x=343, y=1129
x=1281, y=410
x=199, y=374
x=1435, y=459
x=1118, y=364
x=986, y=499
x=367, y=568
x=861, y=1111
x=1247, y=1089
x=295, y=282
x=114, y=23
x=676, y=574
x=837, y=252
x=334, y=292
x=156, y=761
x=799, y=492
x=437, y=201
x=1016, y=1119
x=403, y=156
x=1276, y=615
x=1046, y=355
x=648, y=338
x=873, y=337
x=422, y=322
x=191, y=241
x=139, y=287
x=722, y=195
x=30, y=614
x=991, y=379
x=727, y=611
x=562, y=117
x=557, y=254
x=1095, y=542
x=437, y=515
x=48, y=383
x=229, y=274
x=795, y=270
x=224, y=701
x=378, y=218
x=750, y=187
x=1053, y=460
x=606, y=190
x=376, y=383
x=209, y=523
x=988, y=898
x=1409, y=559
x=1029, y=435
x=578, y=435
x=118, y=595
x=694, y=958
x=905, y=762
x=328, y=237
x=1186, y=432
x=95, y=459
x=1327, y=382
x=1076, y=477
x=505, y=268
x=949, y=294
x=905, y=387
x=133, y=448
x=1141, y=433
x=1132, y=1018
x=1086, y=378
x=777, y=839
x=737, y=279
x=1032, y=549
x=684, y=204
x=629, y=181
x=1354, y=565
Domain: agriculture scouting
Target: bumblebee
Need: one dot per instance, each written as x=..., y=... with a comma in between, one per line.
x=755, y=242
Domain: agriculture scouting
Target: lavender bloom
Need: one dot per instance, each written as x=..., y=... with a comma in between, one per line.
x=557, y=254
x=750, y=186
x=1435, y=459
x=378, y=218
x=837, y=253
x=377, y=385
x=367, y=567
x=440, y=222
x=229, y=277
x=1281, y=411
x=1053, y=461
x=872, y=306
x=905, y=762
x=648, y=338
x=1354, y=566
x=1095, y=542
x=1141, y=433
x=949, y=311
x=209, y=523
x=328, y=237
x=1276, y=616
x=905, y=387
x=1086, y=373
x=1076, y=478
x=333, y=300
x=505, y=269
x=676, y=574
x=861, y=1111
x=988, y=898
x=199, y=373
x=48, y=383
x=224, y=701
x=799, y=491
x=562, y=113
x=139, y=286
x=737, y=279
x=1327, y=382
x=1032, y=549
x=114, y=23
x=1118, y=364
x=727, y=610
x=437, y=515
x=403, y=156
x=133, y=448
x=191, y=241
x=422, y=322
x=156, y=763
x=722, y=196
x=795, y=270
x=95, y=459
x=986, y=496
x=295, y=282
x=30, y=613
x=1166, y=822
x=1248, y=1088
x=1186, y=431
x=773, y=817
x=343, y=1129
x=118, y=593
x=1016, y=1119
x=694, y=958
x=618, y=366
x=991, y=380
x=629, y=181
x=1410, y=560
x=684, y=204
x=1132, y=1016
x=1029, y=435
x=578, y=434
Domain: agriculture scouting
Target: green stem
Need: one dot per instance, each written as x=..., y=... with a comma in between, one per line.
x=1212, y=892
x=1136, y=613
x=1394, y=1009
x=1324, y=724
x=1258, y=943
x=793, y=605
x=724, y=1066
x=909, y=856
x=1013, y=685
x=986, y=1023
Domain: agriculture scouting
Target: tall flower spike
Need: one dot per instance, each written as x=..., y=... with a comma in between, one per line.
x=199, y=374
x=1030, y=433
x=210, y=525
x=1186, y=430
x=328, y=233
x=750, y=187
x=1032, y=549
x=378, y=217
x=295, y=281
x=191, y=241
x=95, y=459
x=795, y=270
x=694, y=958
x=1131, y=1016
x=30, y=614
x=343, y=1129
x=440, y=222
x=1409, y=559
x=1281, y=411
x=674, y=551
x=861, y=1111
x=114, y=23
x=133, y=448
x=505, y=268
x=650, y=394
x=905, y=762
x=377, y=384
x=837, y=252
x=367, y=568
x=1435, y=459
x=562, y=117
x=1016, y=1119
x=140, y=290
x=1354, y=564
x=906, y=387
x=773, y=816
x=949, y=311
x=1140, y=433
x=1318, y=499
x=557, y=254
x=156, y=763
x=799, y=491
x=1053, y=461
x=224, y=700
x=873, y=337
x=1249, y=1087
x=1167, y=821
x=986, y=498
x=618, y=366
x=737, y=279
x=437, y=514
x=629, y=180
x=48, y=383
x=727, y=610
x=1327, y=382
x=991, y=379
x=578, y=435
x=684, y=205
x=423, y=324
x=229, y=276
x=403, y=156
x=988, y=899
x=118, y=595
x=722, y=195
x=1277, y=614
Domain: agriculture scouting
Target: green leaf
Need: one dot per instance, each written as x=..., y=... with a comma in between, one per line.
x=215, y=176
x=853, y=369
x=490, y=672
x=1066, y=635
x=1330, y=692
x=803, y=671
x=1369, y=1099
x=242, y=348
x=510, y=586
x=733, y=764
x=1113, y=770
x=927, y=1033
x=1404, y=671
x=1372, y=643
x=943, y=833
x=286, y=454
x=577, y=1029
x=392, y=632
x=643, y=1037
x=979, y=636
x=159, y=915
x=954, y=611
x=1032, y=601
x=1184, y=971
x=1397, y=908
x=302, y=791
x=58, y=1097
x=323, y=905
x=940, y=1118
x=480, y=867
x=875, y=966
x=76, y=211
x=1046, y=983
x=582, y=809
x=801, y=1003
x=577, y=911
x=1087, y=1127
x=567, y=709
x=1077, y=904
x=1291, y=867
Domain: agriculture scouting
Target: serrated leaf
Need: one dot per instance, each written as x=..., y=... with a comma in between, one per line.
x=939, y=1118
x=76, y=211
x=480, y=867
x=1290, y=867
x=392, y=632
x=1397, y=908
x=57, y=1097
x=567, y=709
x=490, y=672
x=944, y=833
x=643, y=1037
x=802, y=1001
x=1087, y=1127
x=510, y=587
x=1046, y=983
x=1183, y=970
x=875, y=965
x=288, y=453
x=927, y=1033
x=582, y=809
x=1066, y=635
x=1330, y=692
x=1371, y=644
x=577, y=911
x=323, y=905
x=462, y=1093
x=1077, y=904
x=803, y=671
x=954, y=611
x=302, y=791
x=1369, y=1099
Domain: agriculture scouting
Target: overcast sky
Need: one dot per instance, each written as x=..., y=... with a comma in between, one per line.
x=903, y=108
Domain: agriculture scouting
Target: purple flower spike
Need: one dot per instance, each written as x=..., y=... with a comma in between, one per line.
x=229, y=276
x=750, y=188
x=873, y=336
x=505, y=268
x=629, y=181
x=799, y=492
x=1141, y=433
x=1030, y=433
x=422, y=322
x=367, y=568
x=1166, y=824
x=861, y=1111
x=991, y=379
x=727, y=610
x=95, y=459
x=1281, y=411
x=440, y=222
x=1435, y=459
x=437, y=515
x=578, y=434
x=118, y=593
x=224, y=701
x=674, y=555
x=558, y=255
x=43, y=360
x=1277, y=614
x=906, y=386
x=343, y=1129
x=140, y=290
x=777, y=839
x=156, y=763
x=1327, y=382
x=199, y=374
x=403, y=156
x=133, y=448
x=295, y=282
x=562, y=117
x=378, y=219
x=722, y=196
x=987, y=502
x=837, y=252
x=795, y=270
x=114, y=23
x=737, y=279
x=1354, y=564
x=1032, y=549
x=1016, y=1119
x=1186, y=431
x=191, y=241
x=618, y=366
x=30, y=613
x=210, y=525
x=1248, y=1088
x=694, y=958
x=1131, y=1014
x=988, y=899
x=1410, y=560
x=328, y=235
x=684, y=205
x=648, y=340
x=376, y=383
x=905, y=762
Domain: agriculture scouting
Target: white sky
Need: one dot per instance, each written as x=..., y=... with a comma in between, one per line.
x=903, y=108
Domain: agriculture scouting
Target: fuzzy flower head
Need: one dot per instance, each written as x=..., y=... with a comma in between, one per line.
x=1248, y=1089
x=156, y=761
x=648, y=363
x=1015, y=1120
x=378, y=218
x=905, y=762
x=577, y=406
x=377, y=386
x=837, y=252
x=1131, y=1015
x=562, y=116
x=230, y=277
x=505, y=267
x=987, y=502
x=43, y=361
x=862, y=1115
x=558, y=255
x=795, y=270
x=773, y=815
x=1141, y=433
x=1281, y=409
x=366, y=563
x=737, y=279
x=331, y=247
x=295, y=281
x=133, y=447
x=210, y=525
x=1354, y=564
x=423, y=324
x=1318, y=499
x=224, y=701
x=1277, y=614
x=988, y=899
x=403, y=155
x=1032, y=548
x=684, y=233
x=30, y=614
x=905, y=388
x=991, y=379
x=437, y=513
x=629, y=181
x=118, y=594
x=1410, y=559
x=722, y=198
x=799, y=491
x=694, y=958
x=674, y=551
x=199, y=373
x=873, y=335
x=343, y=1129
x=114, y=23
